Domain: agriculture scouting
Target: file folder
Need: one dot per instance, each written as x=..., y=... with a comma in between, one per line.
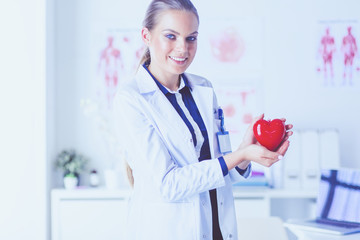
x=310, y=159
x=292, y=163
x=329, y=149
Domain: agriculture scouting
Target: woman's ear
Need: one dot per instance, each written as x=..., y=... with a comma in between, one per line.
x=146, y=36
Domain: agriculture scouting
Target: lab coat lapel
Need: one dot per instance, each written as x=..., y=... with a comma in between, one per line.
x=170, y=122
x=167, y=112
x=203, y=97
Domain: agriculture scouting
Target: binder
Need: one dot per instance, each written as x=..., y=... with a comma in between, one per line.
x=276, y=174
x=292, y=163
x=310, y=159
x=329, y=149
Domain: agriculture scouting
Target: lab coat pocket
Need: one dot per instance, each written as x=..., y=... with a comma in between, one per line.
x=164, y=221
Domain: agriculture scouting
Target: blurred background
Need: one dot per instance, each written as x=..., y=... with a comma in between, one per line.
x=61, y=62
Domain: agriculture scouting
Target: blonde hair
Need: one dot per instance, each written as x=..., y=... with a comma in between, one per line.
x=129, y=174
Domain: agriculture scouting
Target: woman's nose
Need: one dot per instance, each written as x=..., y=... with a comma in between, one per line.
x=181, y=46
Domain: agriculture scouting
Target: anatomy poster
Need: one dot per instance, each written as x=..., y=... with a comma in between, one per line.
x=116, y=54
x=230, y=48
x=240, y=104
x=337, y=53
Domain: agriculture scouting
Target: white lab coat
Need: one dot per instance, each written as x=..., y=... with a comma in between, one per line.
x=170, y=198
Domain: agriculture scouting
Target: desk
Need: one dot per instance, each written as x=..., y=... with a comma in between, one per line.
x=302, y=234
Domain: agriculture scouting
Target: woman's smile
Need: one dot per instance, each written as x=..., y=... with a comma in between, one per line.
x=178, y=60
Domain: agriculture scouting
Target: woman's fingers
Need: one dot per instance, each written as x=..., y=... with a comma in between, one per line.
x=283, y=148
x=287, y=135
x=249, y=137
x=288, y=126
x=261, y=116
x=270, y=158
x=262, y=155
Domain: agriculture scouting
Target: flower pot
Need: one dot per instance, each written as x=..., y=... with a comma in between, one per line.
x=111, y=179
x=70, y=182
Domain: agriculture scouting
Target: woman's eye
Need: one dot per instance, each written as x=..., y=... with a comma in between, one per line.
x=191, y=39
x=170, y=36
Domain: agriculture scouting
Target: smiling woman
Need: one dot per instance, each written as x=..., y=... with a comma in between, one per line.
x=172, y=130
x=172, y=45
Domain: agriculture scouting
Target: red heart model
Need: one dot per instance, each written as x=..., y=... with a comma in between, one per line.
x=269, y=133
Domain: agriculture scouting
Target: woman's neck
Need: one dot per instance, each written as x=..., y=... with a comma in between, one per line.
x=171, y=81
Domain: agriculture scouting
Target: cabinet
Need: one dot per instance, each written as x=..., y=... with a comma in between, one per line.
x=265, y=202
x=90, y=214
x=94, y=214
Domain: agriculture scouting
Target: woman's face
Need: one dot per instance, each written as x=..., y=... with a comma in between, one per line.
x=172, y=43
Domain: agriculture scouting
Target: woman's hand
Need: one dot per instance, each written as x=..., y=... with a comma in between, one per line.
x=249, y=137
x=255, y=153
x=251, y=150
x=283, y=148
x=260, y=154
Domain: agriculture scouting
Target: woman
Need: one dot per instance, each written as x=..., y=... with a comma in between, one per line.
x=168, y=122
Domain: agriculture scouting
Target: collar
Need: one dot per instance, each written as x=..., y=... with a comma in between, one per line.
x=183, y=82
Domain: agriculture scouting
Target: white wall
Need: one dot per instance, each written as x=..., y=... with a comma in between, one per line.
x=289, y=87
x=73, y=37
x=23, y=181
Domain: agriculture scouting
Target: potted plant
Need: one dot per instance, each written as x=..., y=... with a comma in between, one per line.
x=72, y=164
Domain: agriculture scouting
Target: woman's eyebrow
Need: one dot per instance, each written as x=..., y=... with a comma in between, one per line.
x=175, y=32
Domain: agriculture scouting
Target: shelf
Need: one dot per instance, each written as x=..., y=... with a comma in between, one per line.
x=265, y=192
x=91, y=193
x=239, y=192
